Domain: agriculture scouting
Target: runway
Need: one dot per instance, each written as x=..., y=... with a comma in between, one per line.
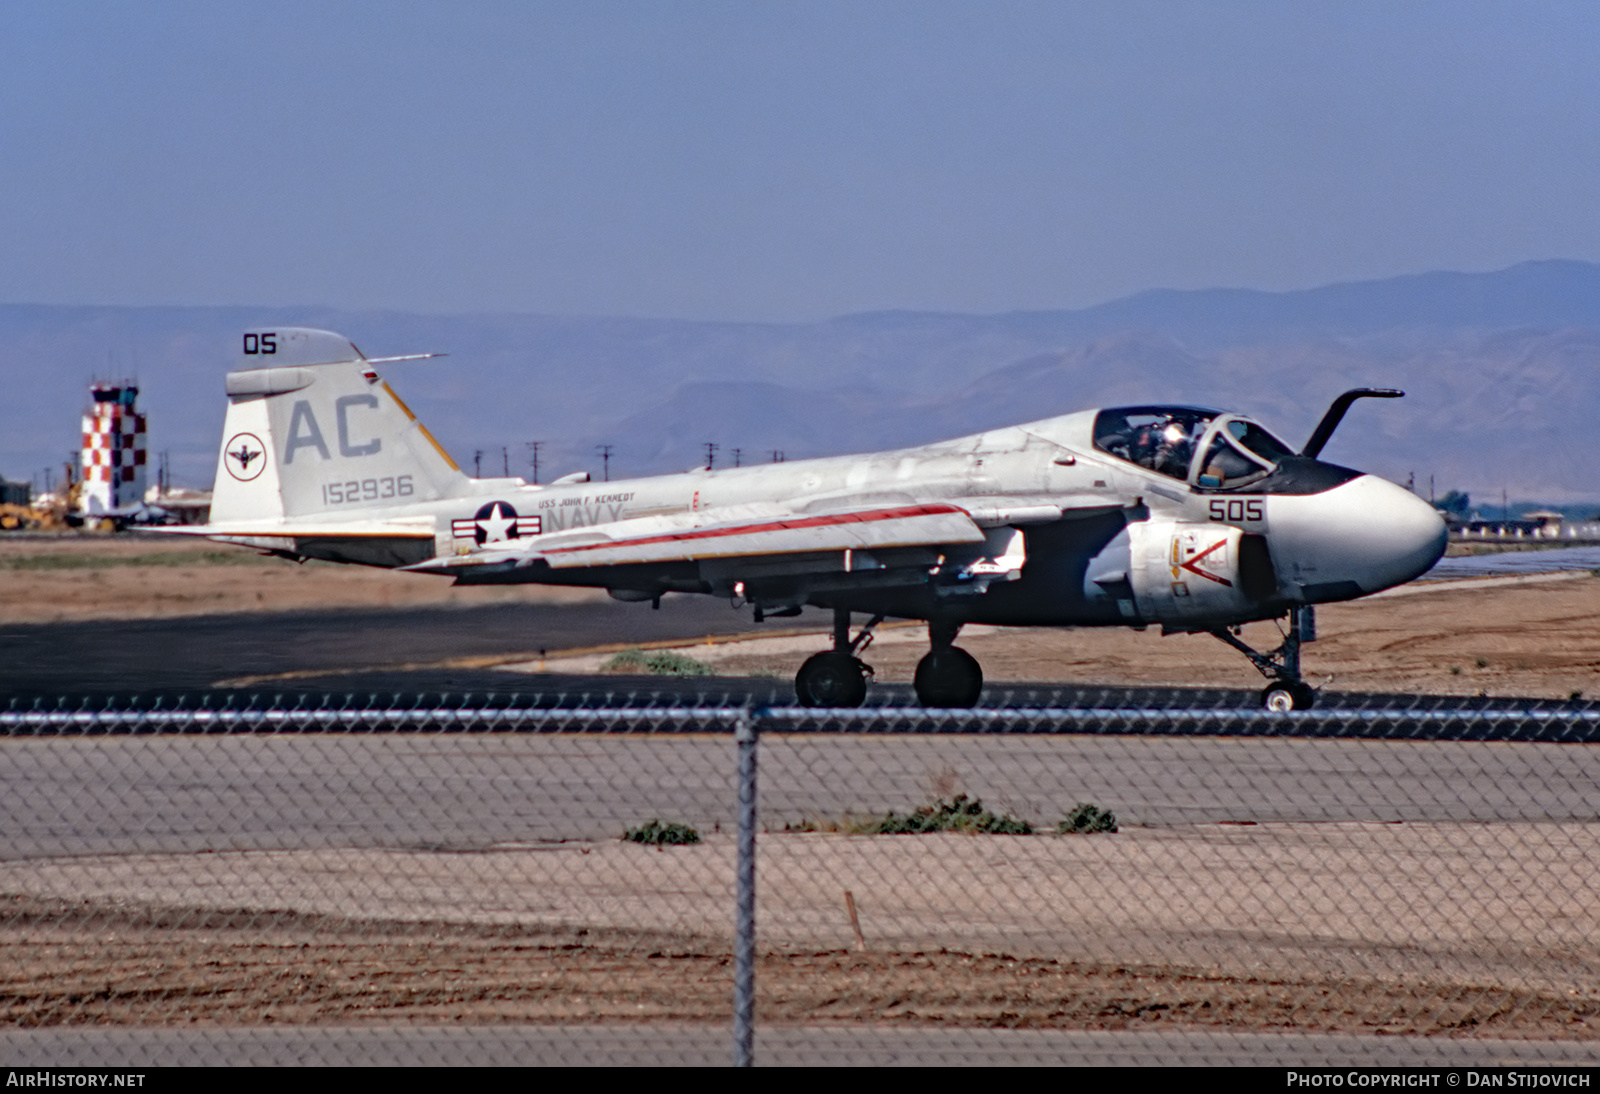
x=447, y=791
x=353, y=649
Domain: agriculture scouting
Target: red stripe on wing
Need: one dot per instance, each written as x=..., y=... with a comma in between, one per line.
x=795, y=524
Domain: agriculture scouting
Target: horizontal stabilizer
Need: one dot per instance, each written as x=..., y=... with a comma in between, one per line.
x=406, y=528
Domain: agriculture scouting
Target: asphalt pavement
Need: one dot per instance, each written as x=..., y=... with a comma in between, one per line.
x=95, y=795
x=410, y=649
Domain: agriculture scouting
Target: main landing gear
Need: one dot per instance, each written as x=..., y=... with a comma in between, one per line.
x=837, y=677
x=947, y=677
x=1282, y=666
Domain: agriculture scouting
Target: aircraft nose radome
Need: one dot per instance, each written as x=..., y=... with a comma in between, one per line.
x=1415, y=533
x=1408, y=535
x=1368, y=532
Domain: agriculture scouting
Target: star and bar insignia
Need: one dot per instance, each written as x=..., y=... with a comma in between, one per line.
x=495, y=523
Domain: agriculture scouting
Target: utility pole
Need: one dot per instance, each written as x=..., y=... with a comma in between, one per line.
x=605, y=461
x=711, y=455
x=505, y=462
x=477, y=463
x=534, y=446
x=777, y=456
x=736, y=452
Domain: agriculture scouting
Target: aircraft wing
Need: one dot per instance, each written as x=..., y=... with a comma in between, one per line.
x=749, y=531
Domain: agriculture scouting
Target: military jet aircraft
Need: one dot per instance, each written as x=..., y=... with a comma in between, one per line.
x=1192, y=519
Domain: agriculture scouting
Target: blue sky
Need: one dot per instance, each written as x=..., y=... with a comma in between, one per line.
x=781, y=161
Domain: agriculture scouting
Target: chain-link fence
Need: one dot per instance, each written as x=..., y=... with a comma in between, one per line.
x=1036, y=882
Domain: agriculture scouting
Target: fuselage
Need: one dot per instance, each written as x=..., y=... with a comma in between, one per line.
x=1107, y=540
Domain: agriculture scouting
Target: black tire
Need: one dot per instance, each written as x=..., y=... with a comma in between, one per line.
x=949, y=677
x=831, y=679
x=1278, y=698
x=1283, y=697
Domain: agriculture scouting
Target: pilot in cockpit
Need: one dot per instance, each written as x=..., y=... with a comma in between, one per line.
x=1174, y=450
x=1162, y=444
x=1160, y=439
x=1165, y=439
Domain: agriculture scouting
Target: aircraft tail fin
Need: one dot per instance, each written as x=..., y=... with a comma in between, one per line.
x=313, y=429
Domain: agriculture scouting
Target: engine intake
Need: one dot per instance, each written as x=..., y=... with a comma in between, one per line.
x=1183, y=572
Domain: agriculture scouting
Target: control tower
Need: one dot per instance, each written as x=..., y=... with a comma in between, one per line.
x=113, y=450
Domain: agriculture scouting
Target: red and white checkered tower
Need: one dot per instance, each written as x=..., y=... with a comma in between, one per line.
x=113, y=449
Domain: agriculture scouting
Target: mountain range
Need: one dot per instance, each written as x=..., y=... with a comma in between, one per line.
x=1502, y=371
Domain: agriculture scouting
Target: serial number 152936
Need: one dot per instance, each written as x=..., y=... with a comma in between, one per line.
x=345, y=493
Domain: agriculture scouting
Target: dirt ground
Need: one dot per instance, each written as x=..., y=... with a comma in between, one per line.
x=1453, y=902
x=65, y=579
x=73, y=965
x=1433, y=928
x=1535, y=637
x=189, y=978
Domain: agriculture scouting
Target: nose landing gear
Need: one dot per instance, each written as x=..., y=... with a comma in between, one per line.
x=1284, y=697
x=1282, y=666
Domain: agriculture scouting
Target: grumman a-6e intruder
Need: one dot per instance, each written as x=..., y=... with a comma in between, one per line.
x=1191, y=519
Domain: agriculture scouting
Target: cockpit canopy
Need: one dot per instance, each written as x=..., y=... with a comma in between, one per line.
x=1205, y=448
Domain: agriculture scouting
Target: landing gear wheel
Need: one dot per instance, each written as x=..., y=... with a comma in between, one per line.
x=1280, y=698
x=831, y=679
x=949, y=677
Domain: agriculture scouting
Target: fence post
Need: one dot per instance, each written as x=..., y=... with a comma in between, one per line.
x=744, y=938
